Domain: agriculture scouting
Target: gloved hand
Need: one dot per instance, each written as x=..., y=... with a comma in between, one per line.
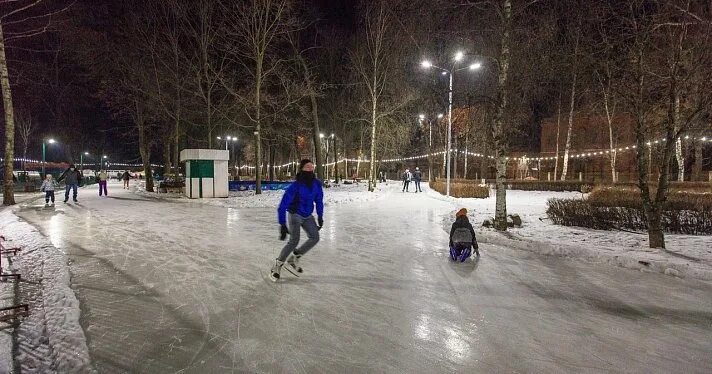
x=283, y=232
x=321, y=222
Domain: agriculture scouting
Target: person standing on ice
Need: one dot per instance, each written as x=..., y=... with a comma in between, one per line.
x=126, y=177
x=102, y=177
x=72, y=176
x=47, y=187
x=299, y=200
x=406, y=180
x=417, y=176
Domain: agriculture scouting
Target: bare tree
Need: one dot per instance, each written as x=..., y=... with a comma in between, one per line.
x=24, y=16
x=25, y=128
x=667, y=73
x=374, y=61
x=257, y=26
x=574, y=75
x=312, y=92
x=498, y=131
x=609, y=109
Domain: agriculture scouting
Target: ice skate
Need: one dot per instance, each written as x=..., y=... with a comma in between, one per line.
x=293, y=264
x=276, y=269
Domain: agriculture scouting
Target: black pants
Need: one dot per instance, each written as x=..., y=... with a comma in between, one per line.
x=417, y=186
x=49, y=195
x=405, y=185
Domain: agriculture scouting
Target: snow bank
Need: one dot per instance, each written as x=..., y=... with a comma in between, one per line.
x=686, y=255
x=50, y=339
x=339, y=194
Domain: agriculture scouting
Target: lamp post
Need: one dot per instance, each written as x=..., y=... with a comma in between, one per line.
x=333, y=146
x=102, y=161
x=81, y=160
x=81, y=163
x=422, y=117
x=451, y=72
x=227, y=140
x=44, y=152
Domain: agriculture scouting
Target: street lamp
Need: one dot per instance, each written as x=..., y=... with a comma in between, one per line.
x=227, y=140
x=451, y=72
x=81, y=160
x=44, y=151
x=430, y=144
x=102, y=161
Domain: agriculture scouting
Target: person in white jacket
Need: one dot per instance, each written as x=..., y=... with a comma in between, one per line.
x=102, y=177
x=47, y=187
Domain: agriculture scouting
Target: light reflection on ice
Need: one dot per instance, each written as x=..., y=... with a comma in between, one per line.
x=55, y=231
x=422, y=330
x=457, y=347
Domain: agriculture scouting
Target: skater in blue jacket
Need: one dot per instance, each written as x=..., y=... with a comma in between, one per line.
x=299, y=201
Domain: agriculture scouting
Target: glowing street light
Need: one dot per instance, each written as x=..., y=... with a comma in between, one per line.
x=459, y=56
x=44, y=151
x=421, y=117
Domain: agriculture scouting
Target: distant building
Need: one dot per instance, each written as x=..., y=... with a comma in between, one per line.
x=590, y=134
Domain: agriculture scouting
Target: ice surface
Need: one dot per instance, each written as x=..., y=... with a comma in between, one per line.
x=172, y=287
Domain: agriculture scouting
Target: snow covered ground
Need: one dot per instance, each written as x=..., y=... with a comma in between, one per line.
x=50, y=339
x=686, y=255
x=166, y=286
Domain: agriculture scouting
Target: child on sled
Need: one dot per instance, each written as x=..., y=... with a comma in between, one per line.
x=462, y=238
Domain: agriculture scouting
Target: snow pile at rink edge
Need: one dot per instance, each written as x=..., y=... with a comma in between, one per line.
x=50, y=339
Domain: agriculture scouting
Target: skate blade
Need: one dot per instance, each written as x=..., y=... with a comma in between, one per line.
x=291, y=271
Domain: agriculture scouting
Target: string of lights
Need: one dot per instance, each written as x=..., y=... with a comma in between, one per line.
x=629, y=148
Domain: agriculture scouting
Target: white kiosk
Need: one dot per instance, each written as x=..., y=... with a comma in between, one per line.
x=205, y=172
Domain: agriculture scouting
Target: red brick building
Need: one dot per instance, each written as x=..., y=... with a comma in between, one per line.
x=590, y=136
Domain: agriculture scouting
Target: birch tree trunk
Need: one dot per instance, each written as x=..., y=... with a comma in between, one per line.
x=500, y=141
x=454, y=158
x=258, y=127
x=678, y=143
x=558, y=130
x=680, y=161
x=372, y=164
x=8, y=197
x=144, y=145
x=574, y=69
x=567, y=147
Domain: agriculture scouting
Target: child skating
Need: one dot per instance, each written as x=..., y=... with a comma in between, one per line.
x=462, y=237
x=299, y=200
x=48, y=186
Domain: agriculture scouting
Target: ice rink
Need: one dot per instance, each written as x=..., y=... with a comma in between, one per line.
x=170, y=287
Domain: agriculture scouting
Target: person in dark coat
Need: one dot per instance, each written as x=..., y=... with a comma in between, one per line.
x=462, y=234
x=417, y=176
x=71, y=178
x=126, y=177
x=407, y=176
x=299, y=201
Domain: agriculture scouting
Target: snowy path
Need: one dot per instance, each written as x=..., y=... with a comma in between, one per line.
x=180, y=287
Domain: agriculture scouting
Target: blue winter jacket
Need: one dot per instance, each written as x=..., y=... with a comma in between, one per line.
x=300, y=199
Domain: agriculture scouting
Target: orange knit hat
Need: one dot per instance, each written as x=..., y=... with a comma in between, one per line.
x=461, y=212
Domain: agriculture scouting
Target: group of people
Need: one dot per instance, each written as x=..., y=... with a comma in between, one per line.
x=72, y=177
x=296, y=212
x=415, y=176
